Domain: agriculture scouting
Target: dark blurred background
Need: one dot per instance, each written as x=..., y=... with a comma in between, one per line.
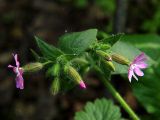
x=20, y=20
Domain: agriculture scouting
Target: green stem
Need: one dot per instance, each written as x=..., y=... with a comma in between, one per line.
x=118, y=97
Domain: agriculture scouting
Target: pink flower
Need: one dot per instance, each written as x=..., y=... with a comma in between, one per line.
x=138, y=63
x=82, y=84
x=19, y=72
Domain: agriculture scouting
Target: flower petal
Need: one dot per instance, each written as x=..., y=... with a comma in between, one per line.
x=142, y=65
x=19, y=82
x=130, y=74
x=135, y=77
x=140, y=58
x=16, y=60
x=10, y=66
x=138, y=71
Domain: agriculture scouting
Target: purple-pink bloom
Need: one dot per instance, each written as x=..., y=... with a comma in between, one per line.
x=135, y=67
x=19, y=72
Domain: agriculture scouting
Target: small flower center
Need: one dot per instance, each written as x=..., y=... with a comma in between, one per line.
x=133, y=66
x=17, y=71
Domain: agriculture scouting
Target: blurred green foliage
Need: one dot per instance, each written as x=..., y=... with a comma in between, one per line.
x=147, y=91
x=152, y=24
x=108, y=6
x=149, y=43
x=81, y=3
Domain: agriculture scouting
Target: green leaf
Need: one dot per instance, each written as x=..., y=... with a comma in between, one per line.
x=77, y=42
x=128, y=51
x=149, y=43
x=101, y=109
x=112, y=39
x=35, y=54
x=37, y=57
x=48, y=51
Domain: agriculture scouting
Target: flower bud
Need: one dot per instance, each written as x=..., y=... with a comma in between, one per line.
x=120, y=59
x=104, y=55
x=33, y=67
x=109, y=65
x=55, y=86
x=56, y=69
x=74, y=75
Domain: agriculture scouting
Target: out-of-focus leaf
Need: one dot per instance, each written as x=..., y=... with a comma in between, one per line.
x=150, y=44
x=101, y=109
x=153, y=25
x=128, y=51
x=77, y=42
x=48, y=51
x=147, y=90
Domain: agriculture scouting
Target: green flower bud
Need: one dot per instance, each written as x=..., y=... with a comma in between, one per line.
x=73, y=73
x=109, y=65
x=75, y=76
x=120, y=59
x=55, y=86
x=56, y=69
x=33, y=67
x=104, y=55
